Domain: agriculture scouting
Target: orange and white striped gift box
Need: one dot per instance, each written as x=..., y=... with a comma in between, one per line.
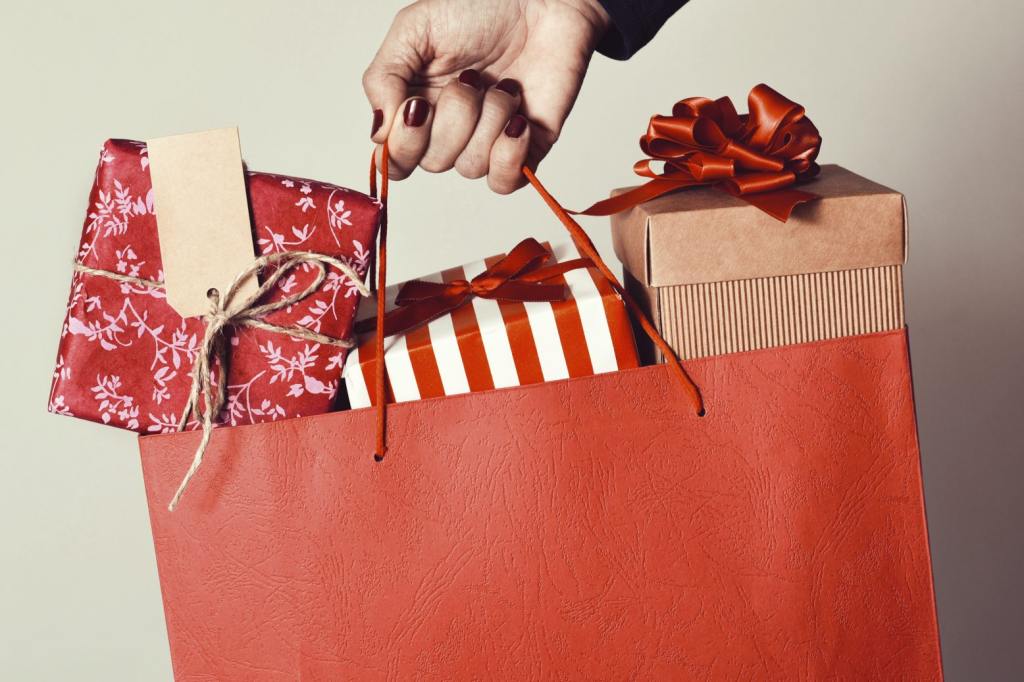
x=486, y=344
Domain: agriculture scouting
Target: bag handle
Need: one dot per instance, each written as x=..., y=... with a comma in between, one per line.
x=582, y=242
x=382, y=264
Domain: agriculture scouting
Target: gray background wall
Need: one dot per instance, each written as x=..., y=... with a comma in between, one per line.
x=922, y=95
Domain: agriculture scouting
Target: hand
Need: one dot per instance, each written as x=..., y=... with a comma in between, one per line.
x=482, y=86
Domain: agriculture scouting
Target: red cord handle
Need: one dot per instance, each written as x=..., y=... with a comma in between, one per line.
x=583, y=243
x=382, y=264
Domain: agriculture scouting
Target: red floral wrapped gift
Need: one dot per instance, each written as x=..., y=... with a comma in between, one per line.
x=126, y=356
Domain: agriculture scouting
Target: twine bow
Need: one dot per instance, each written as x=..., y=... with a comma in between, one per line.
x=757, y=157
x=207, y=396
x=518, y=276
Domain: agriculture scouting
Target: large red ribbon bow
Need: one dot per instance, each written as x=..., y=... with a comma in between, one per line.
x=518, y=276
x=757, y=156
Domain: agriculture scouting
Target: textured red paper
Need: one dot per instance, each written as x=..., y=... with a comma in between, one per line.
x=593, y=528
x=125, y=356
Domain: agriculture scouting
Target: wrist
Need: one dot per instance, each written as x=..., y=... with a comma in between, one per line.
x=594, y=13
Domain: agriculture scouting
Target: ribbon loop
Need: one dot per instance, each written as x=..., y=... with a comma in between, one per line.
x=770, y=113
x=707, y=143
x=519, y=276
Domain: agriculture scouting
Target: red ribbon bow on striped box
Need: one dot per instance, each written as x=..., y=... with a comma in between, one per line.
x=536, y=314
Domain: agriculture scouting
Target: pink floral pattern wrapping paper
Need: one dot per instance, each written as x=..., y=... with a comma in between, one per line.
x=125, y=356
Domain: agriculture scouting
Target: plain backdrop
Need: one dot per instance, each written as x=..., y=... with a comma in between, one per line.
x=922, y=95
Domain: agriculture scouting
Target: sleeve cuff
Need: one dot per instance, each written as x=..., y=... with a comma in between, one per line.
x=633, y=24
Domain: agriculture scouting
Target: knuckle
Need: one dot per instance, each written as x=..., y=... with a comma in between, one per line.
x=395, y=173
x=403, y=13
x=368, y=79
x=501, y=180
x=496, y=108
x=468, y=166
x=499, y=186
x=505, y=159
x=435, y=165
x=458, y=103
x=400, y=168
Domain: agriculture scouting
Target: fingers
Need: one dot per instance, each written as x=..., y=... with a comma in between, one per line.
x=455, y=118
x=508, y=155
x=475, y=131
x=499, y=105
x=409, y=136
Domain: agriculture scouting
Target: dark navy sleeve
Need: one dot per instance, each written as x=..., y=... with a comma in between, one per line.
x=634, y=23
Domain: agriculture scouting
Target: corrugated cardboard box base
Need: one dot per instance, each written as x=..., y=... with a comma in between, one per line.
x=716, y=318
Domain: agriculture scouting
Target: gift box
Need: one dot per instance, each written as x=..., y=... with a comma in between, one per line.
x=490, y=341
x=125, y=356
x=718, y=275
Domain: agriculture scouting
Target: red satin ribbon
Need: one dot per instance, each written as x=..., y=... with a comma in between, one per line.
x=757, y=157
x=518, y=276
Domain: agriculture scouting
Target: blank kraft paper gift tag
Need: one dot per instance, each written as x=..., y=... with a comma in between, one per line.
x=203, y=216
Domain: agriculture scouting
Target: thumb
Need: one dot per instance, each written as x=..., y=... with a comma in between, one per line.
x=386, y=81
x=386, y=91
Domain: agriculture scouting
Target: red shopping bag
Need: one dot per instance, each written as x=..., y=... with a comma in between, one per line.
x=594, y=528
x=599, y=527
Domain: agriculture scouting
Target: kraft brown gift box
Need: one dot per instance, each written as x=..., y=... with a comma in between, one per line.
x=718, y=275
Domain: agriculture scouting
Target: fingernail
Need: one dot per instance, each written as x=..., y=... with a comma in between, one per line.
x=470, y=77
x=416, y=111
x=509, y=86
x=515, y=126
x=378, y=121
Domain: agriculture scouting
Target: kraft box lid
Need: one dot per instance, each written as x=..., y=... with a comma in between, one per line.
x=706, y=235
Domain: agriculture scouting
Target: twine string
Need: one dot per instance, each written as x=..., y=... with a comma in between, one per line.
x=227, y=310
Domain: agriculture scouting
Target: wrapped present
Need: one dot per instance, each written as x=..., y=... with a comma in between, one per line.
x=739, y=240
x=126, y=357
x=717, y=275
x=536, y=314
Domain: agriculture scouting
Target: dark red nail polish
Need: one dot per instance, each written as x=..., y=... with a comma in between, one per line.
x=378, y=121
x=507, y=85
x=516, y=126
x=416, y=111
x=470, y=77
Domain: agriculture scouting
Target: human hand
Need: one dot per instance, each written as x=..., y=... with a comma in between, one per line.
x=482, y=86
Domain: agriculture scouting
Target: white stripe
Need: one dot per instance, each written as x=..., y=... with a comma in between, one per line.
x=493, y=334
x=549, y=343
x=596, y=328
x=396, y=361
x=448, y=355
x=446, y=350
x=357, y=393
x=399, y=367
